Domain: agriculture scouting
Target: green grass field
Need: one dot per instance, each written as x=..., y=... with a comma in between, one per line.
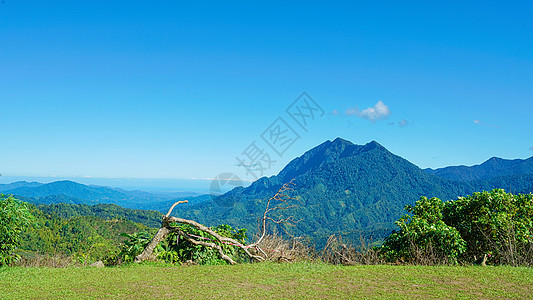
x=298, y=280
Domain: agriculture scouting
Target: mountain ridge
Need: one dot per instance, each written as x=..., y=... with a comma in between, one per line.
x=18, y=184
x=491, y=168
x=67, y=191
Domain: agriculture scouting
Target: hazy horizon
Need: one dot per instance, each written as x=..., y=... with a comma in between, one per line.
x=153, y=185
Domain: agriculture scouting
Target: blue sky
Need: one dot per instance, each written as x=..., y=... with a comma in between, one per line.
x=136, y=89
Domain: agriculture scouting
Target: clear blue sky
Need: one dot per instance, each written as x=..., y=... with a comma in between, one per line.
x=165, y=89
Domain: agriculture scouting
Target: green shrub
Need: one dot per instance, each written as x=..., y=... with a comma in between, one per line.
x=134, y=245
x=495, y=223
x=177, y=249
x=14, y=217
x=423, y=236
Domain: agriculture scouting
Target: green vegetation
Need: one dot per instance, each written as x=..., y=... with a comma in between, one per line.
x=434, y=232
x=423, y=232
x=268, y=280
x=346, y=189
x=180, y=250
x=495, y=224
x=149, y=218
x=133, y=246
x=14, y=217
x=86, y=234
x=85, y=238
x=176, y=250
x=492, y=168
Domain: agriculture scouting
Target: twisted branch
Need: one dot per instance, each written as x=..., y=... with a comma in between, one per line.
x=166, y=229
x=281, y=200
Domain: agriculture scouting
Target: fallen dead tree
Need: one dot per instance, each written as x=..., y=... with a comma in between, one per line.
x=280, y=201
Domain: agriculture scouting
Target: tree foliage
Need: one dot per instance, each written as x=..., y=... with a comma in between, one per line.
x=104, y=211
x=86, y=238
x=14, y=217
x=134, y=245
x=495, y=223
x=175, y=249
x=424, y=233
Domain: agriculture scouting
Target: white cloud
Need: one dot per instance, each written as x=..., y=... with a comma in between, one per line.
x=352, y=111
x=378, y=112
x=478, y=122
x=403, y=123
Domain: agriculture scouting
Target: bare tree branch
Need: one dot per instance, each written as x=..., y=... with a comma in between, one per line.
x=280, y=201
x=282, y=198
x=210, y=245
x=166, y=229
x=174, y=205
x=219, y=238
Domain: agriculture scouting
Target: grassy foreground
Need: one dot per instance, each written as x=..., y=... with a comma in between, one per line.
x=298, y=280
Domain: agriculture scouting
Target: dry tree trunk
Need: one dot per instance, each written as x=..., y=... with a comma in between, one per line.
x=159, y=237
x=166, y=229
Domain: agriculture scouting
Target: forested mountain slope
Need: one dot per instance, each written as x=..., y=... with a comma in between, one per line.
x=344, y=189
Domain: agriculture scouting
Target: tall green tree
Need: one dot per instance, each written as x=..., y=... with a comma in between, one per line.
x=14, y=217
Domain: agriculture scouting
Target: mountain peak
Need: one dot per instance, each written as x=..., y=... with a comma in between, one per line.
x=373, y=145
x=345, y=143
x=65, y=183
x=325, y=153
x=494, y=159
x=340, y=140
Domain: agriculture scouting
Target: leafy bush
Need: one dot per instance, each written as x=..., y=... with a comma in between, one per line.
x=134, y=245
x=177, y=249
x=495, y=223
x=423, y=236
x=14, y=217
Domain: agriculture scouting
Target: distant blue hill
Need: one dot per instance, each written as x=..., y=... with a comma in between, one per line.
x=70, y=192
x=492, y=168
x=18, y=184
x=71, y=189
